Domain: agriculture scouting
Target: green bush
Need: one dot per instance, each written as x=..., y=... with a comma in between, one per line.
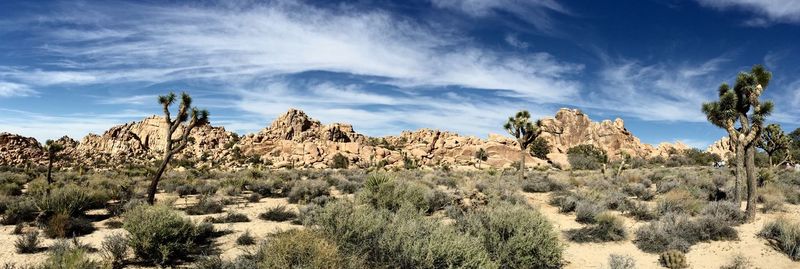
x=66, y=255
x=158, y=234
x=516, y=236
x=540, y=148
x=115, y=249
x=245, y=239
x=340, y=161
x=204, y=206
x=19, y=210
x=783, y=235
x=608, y=228
x=679, y=201
x=305, y=191
x=301, y=249
x=393, y=194
x=230, y=217
x=70, y=199
x=586, y=157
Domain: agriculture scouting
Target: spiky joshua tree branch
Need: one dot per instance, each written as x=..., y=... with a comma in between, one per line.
x=173, y=145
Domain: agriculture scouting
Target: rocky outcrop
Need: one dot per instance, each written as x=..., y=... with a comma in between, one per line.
x=721, y=147
x=296, y=140
x=18, y=150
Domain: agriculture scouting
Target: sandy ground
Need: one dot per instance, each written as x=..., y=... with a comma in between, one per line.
x=704, y=255
x=585, y=255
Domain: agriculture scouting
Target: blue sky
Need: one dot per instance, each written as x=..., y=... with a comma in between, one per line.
x=75, y=67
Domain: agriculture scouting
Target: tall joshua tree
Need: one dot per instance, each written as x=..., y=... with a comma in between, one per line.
x=774, y=141
x=481, y=155
x=52, y=148
x=521, y=127
x=172, y=145
x=742, y=103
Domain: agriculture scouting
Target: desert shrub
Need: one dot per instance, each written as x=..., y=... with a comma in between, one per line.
x=278, y=213
x=19, y=210
x=70, y=199
x=586, y=211
x=347, y=186
x=27, y=242
x=540, y=148
x=725, y=211
x=185, y=190
x=246, y=239
x=10, y=188
x=64, y=254
x=621, y=262
x=738, y=262
x=783, y=235
x=306, y=190
x=640, y=211
x=205, y=205
x=586, y=157
x=115, y=249
x=543, y=184
x=640, y=191
x=608, y=227
x=771, y=198
x=230, y=217
x=565, y=201
x=300, y=249
x=406, y=239
x=515, y=236
x=667, y=186
x=679, y=201
x=392, y=195
x=62, y=225
x=340, y=161
x=158, y=234
x=679, y=232
x=673, y=259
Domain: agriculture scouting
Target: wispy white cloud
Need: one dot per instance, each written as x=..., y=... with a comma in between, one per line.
x=535, y=12
x=662, y=91
x=44, y=126
x=10, y=89
x=770, y=11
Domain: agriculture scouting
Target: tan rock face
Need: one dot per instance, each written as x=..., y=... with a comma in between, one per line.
x=296, y=140
x=19, y=150
x=570, y=127
x=721, y=147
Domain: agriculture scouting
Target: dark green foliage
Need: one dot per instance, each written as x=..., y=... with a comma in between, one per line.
x=305, y=191
x=158, y=234
x=586, y=157
x=783, y=235
x=540, y=148
x=70, y=199
x=278, y=213
x=27, y=243
x=608, y=227
x=340, y=161
x=390, y=194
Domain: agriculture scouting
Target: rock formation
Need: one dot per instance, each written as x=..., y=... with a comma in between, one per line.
x=296, y=140
x=721, y=147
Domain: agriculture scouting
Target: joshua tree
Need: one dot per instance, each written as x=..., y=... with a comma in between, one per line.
x=52, y=148
x=481, y=155
x=521, y=127
x=736, y=104
x=175, y=145
x=774, y=141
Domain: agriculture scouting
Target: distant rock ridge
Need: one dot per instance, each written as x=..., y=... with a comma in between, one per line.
x=296, y=140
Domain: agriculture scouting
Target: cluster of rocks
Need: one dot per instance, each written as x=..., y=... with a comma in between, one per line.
x=296, y=140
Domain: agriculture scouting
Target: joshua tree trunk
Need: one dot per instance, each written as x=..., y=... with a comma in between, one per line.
x=750, y=211
x=737, y=189
x=151, y=191
x=521, y=164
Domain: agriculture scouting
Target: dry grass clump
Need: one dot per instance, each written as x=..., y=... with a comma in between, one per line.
x=205, y=205
x=278, y=213
x=783, y=235
x=679, y=232
x=679, y=201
